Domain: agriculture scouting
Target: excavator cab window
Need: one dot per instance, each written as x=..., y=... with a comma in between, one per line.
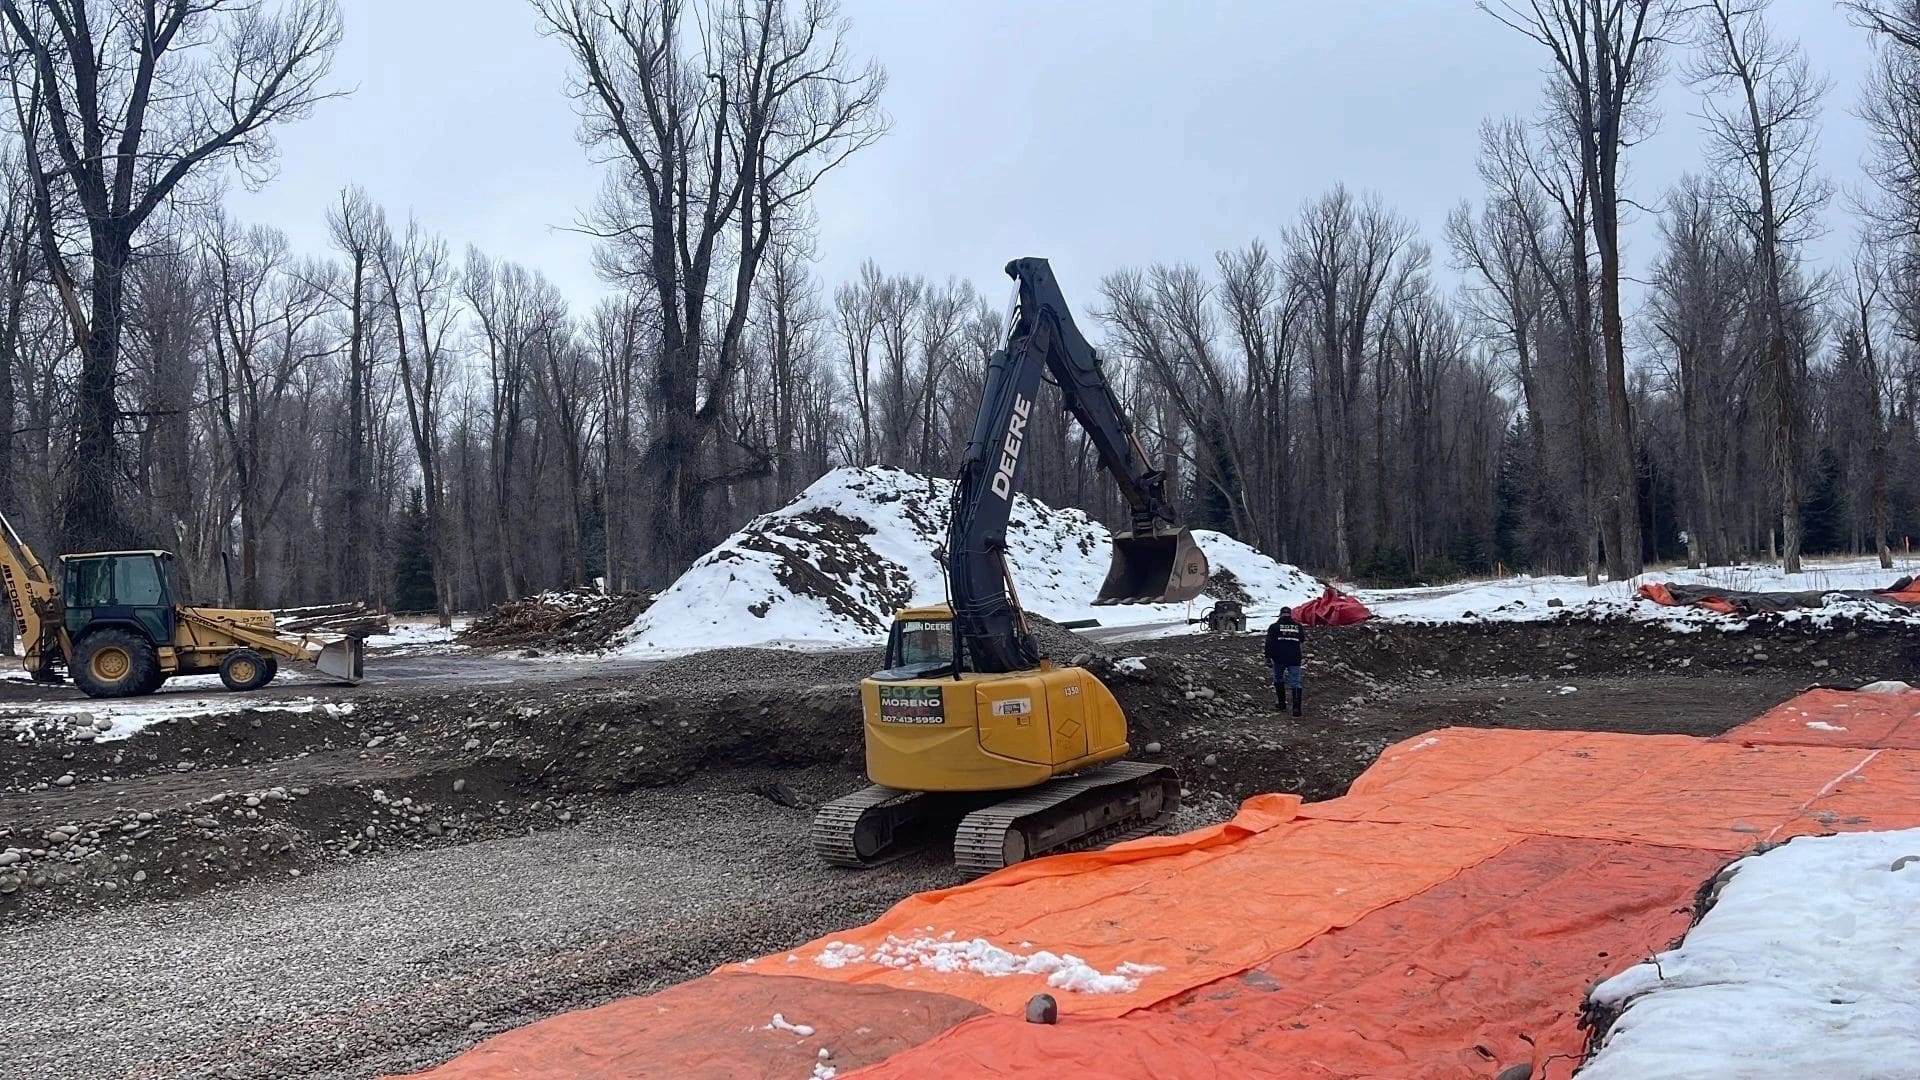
x=919, y=647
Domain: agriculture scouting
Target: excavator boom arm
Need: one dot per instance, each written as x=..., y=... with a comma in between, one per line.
x=1156, y=561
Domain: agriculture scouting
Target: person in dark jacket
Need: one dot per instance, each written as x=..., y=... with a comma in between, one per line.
x=1284, y=640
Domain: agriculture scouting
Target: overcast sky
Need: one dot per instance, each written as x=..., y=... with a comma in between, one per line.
x=1096, y=133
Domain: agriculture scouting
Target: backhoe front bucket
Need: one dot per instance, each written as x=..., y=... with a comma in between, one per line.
x=1156, y=568
x=345, y=660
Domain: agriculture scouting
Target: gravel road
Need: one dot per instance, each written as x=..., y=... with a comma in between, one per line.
x=400, y=962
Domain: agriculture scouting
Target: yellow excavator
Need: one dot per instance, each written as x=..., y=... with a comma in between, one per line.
x=968, y=728
x=111, y=623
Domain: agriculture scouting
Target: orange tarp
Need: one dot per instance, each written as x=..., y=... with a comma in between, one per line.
x=1463, y=980
x=715, y=1028
x=1440, y=920
x=1652, y=789
x=1838, y=718
x=1198, y=915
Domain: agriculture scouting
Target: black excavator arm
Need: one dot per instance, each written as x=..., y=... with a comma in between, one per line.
x=1156, y=561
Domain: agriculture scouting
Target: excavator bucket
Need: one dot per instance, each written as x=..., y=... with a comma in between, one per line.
x=345, y=660
x=1155, y=568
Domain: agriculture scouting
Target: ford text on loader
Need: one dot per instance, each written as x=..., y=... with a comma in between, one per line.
x=111, y=623
x=968, y=724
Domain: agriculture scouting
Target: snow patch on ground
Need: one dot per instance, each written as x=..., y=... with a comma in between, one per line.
x=414, y=638
x=1822, y=725
x=1526, y=599
x=1805, y=966
x=830, y=569
x=111, y=721
x=979, y=956
x=1131, y=665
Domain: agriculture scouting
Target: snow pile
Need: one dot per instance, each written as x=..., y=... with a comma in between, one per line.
x=1542, y=599
x=111, y=721
x=831, y=568
x=981, y=957
x=1805, y=966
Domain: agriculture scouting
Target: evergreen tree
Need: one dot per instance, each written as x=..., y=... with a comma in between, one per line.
x=413, y=559
x=1512, y=493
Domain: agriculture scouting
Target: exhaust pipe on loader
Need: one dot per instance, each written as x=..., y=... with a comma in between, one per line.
x=345, y=660
x=1154, y=568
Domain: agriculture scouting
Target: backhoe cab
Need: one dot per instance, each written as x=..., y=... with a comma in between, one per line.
x=113, y=623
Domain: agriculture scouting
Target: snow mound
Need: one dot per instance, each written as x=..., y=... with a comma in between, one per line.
x=831, y=568
x=979, y=956
x=1805, y=966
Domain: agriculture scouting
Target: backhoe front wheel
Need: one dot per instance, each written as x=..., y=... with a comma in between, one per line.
x=115, y=663
x=244, y=669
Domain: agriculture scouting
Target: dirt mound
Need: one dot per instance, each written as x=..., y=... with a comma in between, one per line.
x=1061, y=645
x=718, y=672
x=577, y=619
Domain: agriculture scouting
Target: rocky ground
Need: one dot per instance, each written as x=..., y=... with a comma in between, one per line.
x=371, y=886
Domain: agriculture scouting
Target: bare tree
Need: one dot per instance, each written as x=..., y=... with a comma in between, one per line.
x=262, y=319
x=419, y=284
x=1605, y=67
x=1762, y=113
x=16, y=267
x=1698, y=311
x=856, y=308
x=720, y=118
x=1340, y=258
x=140, y=96
x=359, y=232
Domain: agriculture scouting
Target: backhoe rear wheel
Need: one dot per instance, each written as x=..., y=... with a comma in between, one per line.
x=244, y=669
x=114, y=663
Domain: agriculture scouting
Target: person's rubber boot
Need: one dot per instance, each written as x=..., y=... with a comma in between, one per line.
x=1279, y=699
x=1296, y=701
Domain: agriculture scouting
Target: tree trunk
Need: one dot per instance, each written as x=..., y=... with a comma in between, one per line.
x=353, y=547
x=1623, y=553
x=1880, y=494
x=91, y=518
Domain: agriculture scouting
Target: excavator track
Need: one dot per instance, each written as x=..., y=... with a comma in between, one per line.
x=878, y=824
x=1102, y=806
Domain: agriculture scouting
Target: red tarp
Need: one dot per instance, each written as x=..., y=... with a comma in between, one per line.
x=1331, y=608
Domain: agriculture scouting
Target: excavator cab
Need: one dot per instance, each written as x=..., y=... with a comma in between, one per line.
x=1158, y=567
x=920, y=645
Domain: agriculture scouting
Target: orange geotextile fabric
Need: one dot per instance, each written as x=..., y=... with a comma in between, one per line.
x=1652, y=789
x=1465, y=979
x=1837, y=718
x=715, y=1028
x=1197, y=913
x=1458, y=899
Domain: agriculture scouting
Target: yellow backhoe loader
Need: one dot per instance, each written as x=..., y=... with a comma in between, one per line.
x=111, y=623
